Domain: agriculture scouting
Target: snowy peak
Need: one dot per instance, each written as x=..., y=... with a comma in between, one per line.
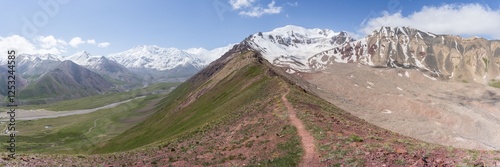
x=196, y=51
x=39, y=57
x=301, y=32
x=80, y=58
x=291, y=46
x=154, y=57
x=155, y=50
x=209, y=55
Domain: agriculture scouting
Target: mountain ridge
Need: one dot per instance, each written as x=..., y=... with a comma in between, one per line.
x=67, y=81
x=438, y=56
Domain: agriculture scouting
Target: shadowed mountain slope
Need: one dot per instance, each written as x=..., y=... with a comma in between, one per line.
x=67, y=80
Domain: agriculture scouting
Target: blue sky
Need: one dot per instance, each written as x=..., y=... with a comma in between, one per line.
x=103, y=27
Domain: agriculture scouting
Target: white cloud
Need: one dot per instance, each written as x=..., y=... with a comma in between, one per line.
x=259, y=11
x=43, y=44
x=53, y=50
x=463, y=19
x=249, y=8
x=103, y=44
x=238, y=4
x=23, y=46
x=49, y=41
x=18, y=43
x=49, y=44
x=91, y=41
x=76, y=41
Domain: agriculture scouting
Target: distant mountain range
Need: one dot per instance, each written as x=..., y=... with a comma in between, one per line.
x=49, y=76
x=295, y=48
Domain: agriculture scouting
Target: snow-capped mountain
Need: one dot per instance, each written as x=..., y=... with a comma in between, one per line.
x=85, y=59
x=154, y=57
x=437, y=56
x=106, y=67
x=208, y=55
x=292, y=45
x=80, y=58
x=33, y=66
x=39, y=57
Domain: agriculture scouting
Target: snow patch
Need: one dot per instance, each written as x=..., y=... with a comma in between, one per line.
x=431, y=78
x=399, y=88
x=386, y=111
x=370, y=83
x=459, y=139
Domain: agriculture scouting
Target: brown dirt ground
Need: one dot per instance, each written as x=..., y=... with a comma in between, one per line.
x=310, y=157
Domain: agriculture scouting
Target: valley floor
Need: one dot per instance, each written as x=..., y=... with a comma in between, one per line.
x=24, y=114
x=407, y=101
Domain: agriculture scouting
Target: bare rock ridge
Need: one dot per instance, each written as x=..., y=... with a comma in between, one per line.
x=443, y=56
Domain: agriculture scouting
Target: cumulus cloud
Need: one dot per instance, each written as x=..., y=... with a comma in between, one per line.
x=91, y=41
x=238, y=4
x=249, y=8
x=259, y=11
x=103, y=44
x=43, y=44
x=49, y=41
x=460, y=19
x=49, y=44
x=18, y=43
x=76, y=41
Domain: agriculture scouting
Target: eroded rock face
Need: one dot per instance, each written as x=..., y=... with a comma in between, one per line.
x=444, y=56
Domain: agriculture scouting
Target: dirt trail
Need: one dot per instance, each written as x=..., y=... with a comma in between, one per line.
x=95, y=125
x=310, y=157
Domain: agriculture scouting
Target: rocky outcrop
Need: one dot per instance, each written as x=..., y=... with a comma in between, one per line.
x=443, y=56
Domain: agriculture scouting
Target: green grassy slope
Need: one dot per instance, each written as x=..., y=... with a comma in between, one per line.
x=212, y=107
x=209, y=104
x=78, y=133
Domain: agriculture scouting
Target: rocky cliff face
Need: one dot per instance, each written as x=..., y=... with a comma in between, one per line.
x=442, y=56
